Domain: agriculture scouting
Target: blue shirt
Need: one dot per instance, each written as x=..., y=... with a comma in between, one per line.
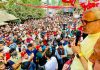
x=30, y=52
x=43, y=47
x=65, y=43
x=14, y=45
x=58, y=56
x=1, y=38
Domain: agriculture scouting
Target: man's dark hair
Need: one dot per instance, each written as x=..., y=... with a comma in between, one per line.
x=29, y=45
x=1, y=42
x=48, y=54
x=18, y=42
x=25, y=65
x=59, y=44
x=12, y=50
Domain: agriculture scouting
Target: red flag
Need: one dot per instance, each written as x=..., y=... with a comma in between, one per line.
x=83, y=5
x=66, y=1
x=88, y=6
x=91, y=5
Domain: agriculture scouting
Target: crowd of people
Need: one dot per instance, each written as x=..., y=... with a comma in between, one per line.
x=43, y=44
x=32, y=44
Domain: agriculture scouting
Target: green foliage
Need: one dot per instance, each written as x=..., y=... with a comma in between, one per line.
x=24, y=12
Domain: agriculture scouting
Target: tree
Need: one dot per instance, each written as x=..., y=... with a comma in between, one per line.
x=24, y=12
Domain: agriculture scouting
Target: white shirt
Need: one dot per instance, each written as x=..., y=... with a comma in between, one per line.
x=33, y=36
x=52, y=64
x=69, y=50
x=6, y=49
x=58, y=36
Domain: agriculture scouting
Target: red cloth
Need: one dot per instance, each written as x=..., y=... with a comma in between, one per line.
x=55, y=33
x=37, y=47
x=80, y=28
x=45, y=42
x=36, y=33
x=66, y=1
x=28, y=40
x=22, y=54
x=48, y=34
x=7, y=56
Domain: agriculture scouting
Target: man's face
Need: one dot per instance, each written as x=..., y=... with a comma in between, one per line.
x=91, y=25
x=19, y=45
x=0, y=35
x=40, y=49
x=30, y=48
x=26, y=56
x=2, y=66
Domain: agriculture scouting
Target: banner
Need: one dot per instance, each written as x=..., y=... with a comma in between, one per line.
x=44, y=6
x=88, y=5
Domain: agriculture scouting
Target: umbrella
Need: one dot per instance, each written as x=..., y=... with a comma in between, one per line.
x=4, y=16
x=3, y=23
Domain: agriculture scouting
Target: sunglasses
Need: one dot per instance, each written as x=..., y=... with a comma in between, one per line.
x=86, y=22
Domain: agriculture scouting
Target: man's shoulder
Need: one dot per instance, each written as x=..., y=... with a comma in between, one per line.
x=97, y=46
x=11, y=62
x=53, y=59
x=6, y=49
x=28, y=51
x=34, y=51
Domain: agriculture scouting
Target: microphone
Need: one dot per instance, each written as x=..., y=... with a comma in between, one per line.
x=78, y=35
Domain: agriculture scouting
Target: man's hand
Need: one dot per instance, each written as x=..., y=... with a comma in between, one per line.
x=19, y=61
x=76, y=49
x=63, y=56
x=32, y=55
x=47, y=48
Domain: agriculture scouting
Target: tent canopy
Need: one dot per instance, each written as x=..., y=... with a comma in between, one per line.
x=4, y=16
x=3, y=23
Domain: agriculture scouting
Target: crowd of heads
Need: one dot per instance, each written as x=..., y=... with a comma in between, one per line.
x=35, y=41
